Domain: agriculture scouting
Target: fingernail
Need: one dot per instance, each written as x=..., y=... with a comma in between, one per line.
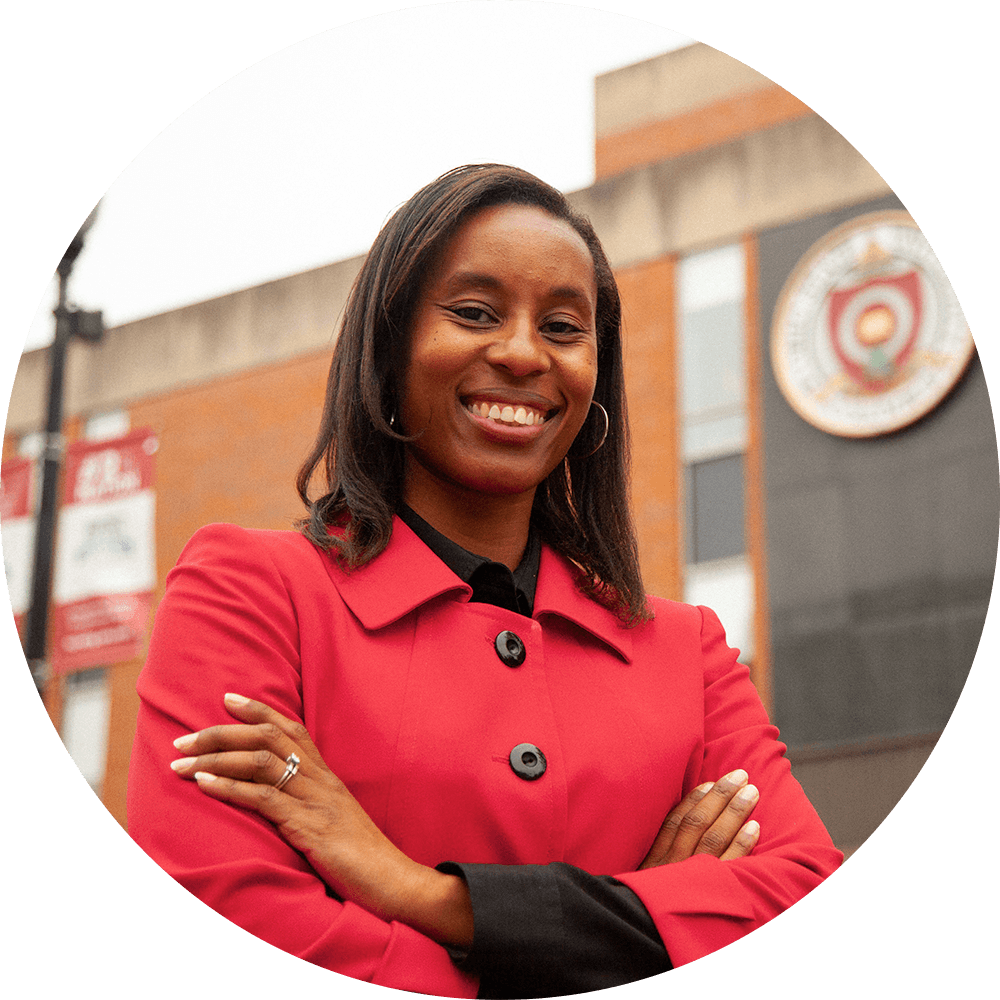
x=738, y=777
x=236, y=699
x=203, y=777
x=185, y=742
x=183, y=762
x=752, y=828
x=705, y=788
x=748, y=793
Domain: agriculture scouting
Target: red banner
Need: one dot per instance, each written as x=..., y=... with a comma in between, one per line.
x=18, y=532
x=105, y=569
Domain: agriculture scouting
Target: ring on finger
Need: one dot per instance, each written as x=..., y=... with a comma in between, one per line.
x=291, y=769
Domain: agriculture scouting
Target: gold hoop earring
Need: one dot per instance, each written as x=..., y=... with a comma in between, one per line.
x=604, y=436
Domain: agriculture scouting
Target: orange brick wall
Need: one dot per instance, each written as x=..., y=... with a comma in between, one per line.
x=756, y=512
x=647, y=292
x=230, y=449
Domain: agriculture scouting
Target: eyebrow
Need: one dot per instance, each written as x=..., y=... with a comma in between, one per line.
x=472, y=279
x=488, y=282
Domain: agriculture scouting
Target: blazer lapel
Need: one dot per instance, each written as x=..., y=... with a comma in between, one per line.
x=407, y=574
x=559, y=594
x=397, y=581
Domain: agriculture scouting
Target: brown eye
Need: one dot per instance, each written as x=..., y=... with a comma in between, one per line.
x=474, y=314
x=562, y=328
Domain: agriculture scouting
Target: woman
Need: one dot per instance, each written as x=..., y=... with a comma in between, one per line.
x=470, y=756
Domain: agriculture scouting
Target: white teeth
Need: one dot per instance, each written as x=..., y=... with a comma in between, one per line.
x=508, y=414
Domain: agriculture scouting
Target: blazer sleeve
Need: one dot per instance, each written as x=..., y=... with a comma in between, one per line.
x=228, y=623
x=702, y=904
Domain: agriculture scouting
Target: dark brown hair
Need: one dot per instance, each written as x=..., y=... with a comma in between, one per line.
x=582, y=509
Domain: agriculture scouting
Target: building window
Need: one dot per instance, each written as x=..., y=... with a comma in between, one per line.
x=714, y=509
x=712, y=353
x=713, y=388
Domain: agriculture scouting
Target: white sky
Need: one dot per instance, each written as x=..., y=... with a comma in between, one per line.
x=297, y=161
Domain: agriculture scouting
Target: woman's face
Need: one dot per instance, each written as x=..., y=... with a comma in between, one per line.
x=502, y=354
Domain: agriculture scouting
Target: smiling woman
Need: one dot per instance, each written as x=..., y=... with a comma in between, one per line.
x=501, y=373
x=440, y=739
x=579, y=504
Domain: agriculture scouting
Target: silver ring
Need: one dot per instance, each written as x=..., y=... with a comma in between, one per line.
x=292, y=768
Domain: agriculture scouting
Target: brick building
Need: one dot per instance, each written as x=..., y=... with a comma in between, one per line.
x=837, y=562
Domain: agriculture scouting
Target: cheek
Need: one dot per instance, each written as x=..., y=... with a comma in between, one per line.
x=583, y=379
x=434, y=361
x=428, y=381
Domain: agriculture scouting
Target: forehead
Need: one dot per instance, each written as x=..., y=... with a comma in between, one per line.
x=517, y=242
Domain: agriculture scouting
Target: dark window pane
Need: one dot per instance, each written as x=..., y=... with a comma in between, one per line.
x=714, y=502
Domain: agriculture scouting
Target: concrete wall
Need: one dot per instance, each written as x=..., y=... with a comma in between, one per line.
x=716, y=195
x=256, y=326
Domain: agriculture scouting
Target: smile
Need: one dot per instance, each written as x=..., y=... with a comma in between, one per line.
x=505, y=413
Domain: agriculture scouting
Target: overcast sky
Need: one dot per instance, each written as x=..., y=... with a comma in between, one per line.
x=296, y=161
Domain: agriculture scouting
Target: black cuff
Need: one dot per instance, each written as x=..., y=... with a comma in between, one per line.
x=550, y=930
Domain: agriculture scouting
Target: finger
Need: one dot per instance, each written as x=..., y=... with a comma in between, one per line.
x=700, y=817
x=236, y=737
x=250, y=711
x=266, y=800
x=744, y=841
x=274, y=748
x=719, y=836
x=259, y=766
x=668, y=831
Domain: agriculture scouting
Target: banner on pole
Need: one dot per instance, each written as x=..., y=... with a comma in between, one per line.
x=105, y=568
x=17, y=532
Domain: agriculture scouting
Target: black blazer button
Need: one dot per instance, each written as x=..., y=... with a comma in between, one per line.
x=527, y=761
x=510, y=649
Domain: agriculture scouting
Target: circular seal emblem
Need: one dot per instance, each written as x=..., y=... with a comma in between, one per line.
x=868, y=335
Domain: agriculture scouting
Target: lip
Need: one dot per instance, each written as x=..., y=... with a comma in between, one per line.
x=503, y=432
x=511, y=397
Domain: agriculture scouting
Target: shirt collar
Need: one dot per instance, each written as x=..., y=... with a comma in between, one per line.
x=408, y=574
x=464, y=564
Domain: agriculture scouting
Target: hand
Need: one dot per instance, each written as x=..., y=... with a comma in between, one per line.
x=317, y=815
x=711, y=819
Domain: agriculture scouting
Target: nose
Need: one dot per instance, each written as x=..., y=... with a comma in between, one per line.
x=520, y=348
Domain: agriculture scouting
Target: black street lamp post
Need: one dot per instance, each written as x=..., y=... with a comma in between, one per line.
x=70, y=323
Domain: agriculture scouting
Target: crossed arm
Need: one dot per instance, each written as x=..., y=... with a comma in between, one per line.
x=316, y=814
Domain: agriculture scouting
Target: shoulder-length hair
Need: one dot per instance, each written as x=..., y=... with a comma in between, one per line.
x=582, y=509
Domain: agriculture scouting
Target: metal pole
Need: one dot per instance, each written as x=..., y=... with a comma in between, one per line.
x=36, y=627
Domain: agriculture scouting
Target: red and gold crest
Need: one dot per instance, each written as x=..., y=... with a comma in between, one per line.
x=868, y=335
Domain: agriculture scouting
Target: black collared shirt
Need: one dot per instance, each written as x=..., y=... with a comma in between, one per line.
x=491, y=582
x=541, y=930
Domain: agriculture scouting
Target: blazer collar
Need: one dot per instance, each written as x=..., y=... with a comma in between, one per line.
x=407, y=574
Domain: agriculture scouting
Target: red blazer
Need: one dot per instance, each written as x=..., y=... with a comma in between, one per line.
x=398, y=680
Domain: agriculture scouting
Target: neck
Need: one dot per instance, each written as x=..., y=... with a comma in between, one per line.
x=490, y=525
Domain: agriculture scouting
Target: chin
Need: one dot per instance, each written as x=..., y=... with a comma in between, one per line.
x=501, y=485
